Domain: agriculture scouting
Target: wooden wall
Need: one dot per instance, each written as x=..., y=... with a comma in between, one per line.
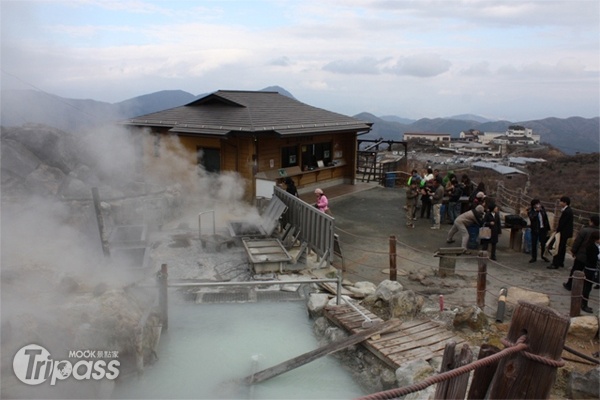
x=243, y=154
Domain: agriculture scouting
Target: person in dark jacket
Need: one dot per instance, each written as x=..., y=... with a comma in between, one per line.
x=565, y=228
x=540, y=225
x=290, y=187
x=578, y=248
x=592, y=248
x=491, y=219
x=454, y=193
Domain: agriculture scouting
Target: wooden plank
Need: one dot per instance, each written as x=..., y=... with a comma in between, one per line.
x=420, y=353
x=320, y=352
x=403, y=335
x=414, y=338
x=417, y=343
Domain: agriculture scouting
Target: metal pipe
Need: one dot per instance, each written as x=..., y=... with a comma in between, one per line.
x=247, y=283
x=339, y=287
x=368, y=321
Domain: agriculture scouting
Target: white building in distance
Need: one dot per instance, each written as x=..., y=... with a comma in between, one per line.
x=515, y=135
x=432, y=137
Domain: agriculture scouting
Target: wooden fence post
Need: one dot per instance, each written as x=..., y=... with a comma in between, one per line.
x=454, y=388
x=520, y=376
x=457, y=388
x=447, y=364
x=481, y=278
x=483, y=376
x=163, y=300
x=576, y=293
x=393, y=272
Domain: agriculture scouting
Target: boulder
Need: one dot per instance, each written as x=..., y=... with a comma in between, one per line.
x=17, y=160
x=471, y=317
x=515, y=294
x=76, y=189
x=387, y=289
x=584, y=327
x=415, y=372
x=584, y=386
x=405, y=303
x=362, y=289
x=316, y=303
x=45, y=180
x=52, y=146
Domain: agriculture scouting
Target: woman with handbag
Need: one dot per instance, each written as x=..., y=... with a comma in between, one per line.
x=491, y=229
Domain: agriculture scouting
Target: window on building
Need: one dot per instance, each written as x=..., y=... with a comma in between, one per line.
x=289, y=156
x=312, y=153
x=209, y=158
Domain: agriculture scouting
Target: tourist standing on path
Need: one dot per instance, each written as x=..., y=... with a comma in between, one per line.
x=414, y=175
x=290, y=187
x=592, y=251
x=436, y=202
x=578, y=248
x=464, y=220
x=492, y=220
x=539, y=225
x=565, y=228
x=467, y=189
x=454, y=193
x=322, y=202
x=412, y=198
x=425, y=200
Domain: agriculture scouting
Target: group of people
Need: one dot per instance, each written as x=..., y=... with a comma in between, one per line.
x=585, y=248
x=440, y=197
x=466, y=205
x=483, y=212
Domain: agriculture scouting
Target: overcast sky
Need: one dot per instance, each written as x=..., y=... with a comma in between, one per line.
x=515, y=60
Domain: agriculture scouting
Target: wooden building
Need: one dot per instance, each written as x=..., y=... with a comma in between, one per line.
x=263, y=136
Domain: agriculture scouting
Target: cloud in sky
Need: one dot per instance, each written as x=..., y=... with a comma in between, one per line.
x=409, y=58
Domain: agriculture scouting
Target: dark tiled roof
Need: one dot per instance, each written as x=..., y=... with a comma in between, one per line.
x=228, y=111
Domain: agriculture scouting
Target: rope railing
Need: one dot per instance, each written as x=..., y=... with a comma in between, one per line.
x=512, y=348
x=496, y=282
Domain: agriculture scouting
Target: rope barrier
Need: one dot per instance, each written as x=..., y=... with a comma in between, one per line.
x=536, y=357
x=520, y=345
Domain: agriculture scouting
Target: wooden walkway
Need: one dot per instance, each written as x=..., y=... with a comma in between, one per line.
x=414, y=339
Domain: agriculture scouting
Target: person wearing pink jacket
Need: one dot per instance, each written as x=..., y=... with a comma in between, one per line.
x=322, y=202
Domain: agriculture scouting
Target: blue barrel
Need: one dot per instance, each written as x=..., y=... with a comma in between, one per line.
x=473, y=242
x=390, y=179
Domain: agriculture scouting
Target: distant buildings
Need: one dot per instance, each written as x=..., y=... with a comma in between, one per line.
x=514, y=135
x=432, y=137
x=478, y=142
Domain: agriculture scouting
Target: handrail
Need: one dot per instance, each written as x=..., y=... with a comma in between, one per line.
x=337, y=280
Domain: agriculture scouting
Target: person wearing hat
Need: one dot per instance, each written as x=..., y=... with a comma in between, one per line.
x=492, y=221
x=478, y=200
x=322, y=202
x=462, y=222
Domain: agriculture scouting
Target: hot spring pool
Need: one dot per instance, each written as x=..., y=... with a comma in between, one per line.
x=209, y=346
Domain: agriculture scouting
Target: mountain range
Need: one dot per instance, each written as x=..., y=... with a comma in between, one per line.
x=18, y=107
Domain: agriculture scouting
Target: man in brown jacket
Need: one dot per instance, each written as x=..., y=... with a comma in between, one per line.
x=462, y=222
